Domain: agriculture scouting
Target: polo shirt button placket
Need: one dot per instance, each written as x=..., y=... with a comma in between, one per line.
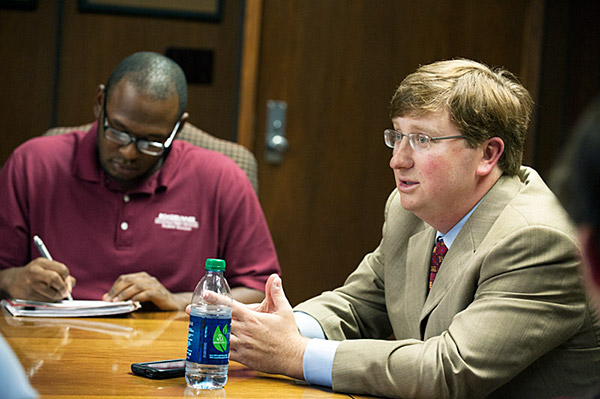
x=124, y=238
x=125, y=225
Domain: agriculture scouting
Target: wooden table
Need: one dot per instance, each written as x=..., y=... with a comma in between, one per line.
x=91, y=358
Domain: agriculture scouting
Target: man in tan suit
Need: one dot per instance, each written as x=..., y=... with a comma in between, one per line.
x=497, y=310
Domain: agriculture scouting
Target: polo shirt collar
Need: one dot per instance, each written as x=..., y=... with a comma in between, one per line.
x=86, y=166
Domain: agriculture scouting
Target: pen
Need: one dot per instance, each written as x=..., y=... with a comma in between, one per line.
x=46, y=254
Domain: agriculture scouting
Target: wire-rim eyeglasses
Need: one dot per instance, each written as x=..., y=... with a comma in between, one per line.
x=418, y=141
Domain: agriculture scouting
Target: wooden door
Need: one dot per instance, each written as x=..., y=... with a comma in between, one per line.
x=336, y=64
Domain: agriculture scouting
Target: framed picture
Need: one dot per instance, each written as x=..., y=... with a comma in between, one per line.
x=19, y=4
x=209, y=10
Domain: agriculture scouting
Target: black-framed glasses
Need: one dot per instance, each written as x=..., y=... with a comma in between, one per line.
x=145, y=146
x=418, y=141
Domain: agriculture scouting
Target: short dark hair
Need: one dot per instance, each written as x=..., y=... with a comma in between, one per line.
x=154, y=74
x=576, y=179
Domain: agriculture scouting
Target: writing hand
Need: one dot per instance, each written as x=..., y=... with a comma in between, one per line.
x=40, y=280
x=143, y=287
x=265, y=336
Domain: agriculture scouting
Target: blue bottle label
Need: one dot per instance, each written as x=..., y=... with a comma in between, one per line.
x=208, y=340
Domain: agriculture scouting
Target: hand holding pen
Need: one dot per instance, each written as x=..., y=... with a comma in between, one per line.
x=46, y=254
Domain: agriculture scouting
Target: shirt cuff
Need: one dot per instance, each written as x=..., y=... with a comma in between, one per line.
x=318, y=361
x=308, y=326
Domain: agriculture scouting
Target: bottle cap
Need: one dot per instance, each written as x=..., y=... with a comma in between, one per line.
x=215, y=265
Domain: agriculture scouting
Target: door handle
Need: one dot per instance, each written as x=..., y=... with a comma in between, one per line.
x=276, y=144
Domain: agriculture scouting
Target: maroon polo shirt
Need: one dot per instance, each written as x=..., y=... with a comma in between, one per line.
x=199, y=205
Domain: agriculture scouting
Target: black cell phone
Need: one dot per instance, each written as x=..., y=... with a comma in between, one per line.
x=160, y=369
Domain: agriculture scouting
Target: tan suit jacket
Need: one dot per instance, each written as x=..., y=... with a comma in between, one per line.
x=507, y=315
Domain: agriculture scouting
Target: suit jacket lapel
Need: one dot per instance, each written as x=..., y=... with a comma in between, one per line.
x=468, y=240
x=418, y=254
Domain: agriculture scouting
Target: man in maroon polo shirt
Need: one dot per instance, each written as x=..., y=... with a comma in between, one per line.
x=125, y=211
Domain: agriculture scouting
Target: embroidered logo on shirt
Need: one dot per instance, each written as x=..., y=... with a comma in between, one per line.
x=176, y=222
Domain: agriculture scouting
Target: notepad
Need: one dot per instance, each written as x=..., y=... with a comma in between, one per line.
x=66, y=308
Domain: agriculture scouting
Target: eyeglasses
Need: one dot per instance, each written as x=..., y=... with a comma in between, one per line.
x=418, y=141
x=145, y=146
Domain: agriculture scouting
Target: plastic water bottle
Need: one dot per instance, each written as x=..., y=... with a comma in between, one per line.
x=207, y=354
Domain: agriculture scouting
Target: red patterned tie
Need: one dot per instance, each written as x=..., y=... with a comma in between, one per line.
x=439, y=250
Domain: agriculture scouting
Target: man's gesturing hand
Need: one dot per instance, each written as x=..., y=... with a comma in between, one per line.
x=264, y=336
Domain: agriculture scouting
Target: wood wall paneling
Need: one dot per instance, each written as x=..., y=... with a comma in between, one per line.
x=531, y=59
x=569, y=75
x=93, y=44
x=26, y=73
x=553, y=81
x=87, y=46
x=249, y=73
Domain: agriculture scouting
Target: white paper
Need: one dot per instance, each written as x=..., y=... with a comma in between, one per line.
x=66, y=308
